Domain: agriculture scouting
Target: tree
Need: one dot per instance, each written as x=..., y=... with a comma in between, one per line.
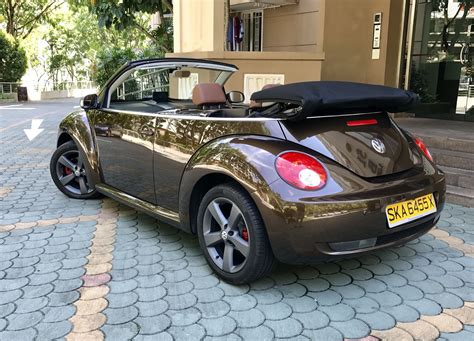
x=13, y=60
x=448, y=40
x=126, y=14
x=23, y=16
x=108, y=61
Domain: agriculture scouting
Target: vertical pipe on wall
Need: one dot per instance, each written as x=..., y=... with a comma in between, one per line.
x=411, y=30
x=402, y=41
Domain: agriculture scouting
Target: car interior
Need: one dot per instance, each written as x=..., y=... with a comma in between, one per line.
x=179, y=91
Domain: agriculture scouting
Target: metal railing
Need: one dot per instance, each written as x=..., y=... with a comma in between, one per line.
x=59, y=86
x=9, y=87
x=466, y=90
x=143, y=85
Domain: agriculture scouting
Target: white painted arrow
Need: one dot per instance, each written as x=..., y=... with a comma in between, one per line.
x=35, y=129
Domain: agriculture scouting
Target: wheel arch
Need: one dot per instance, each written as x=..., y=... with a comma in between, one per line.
x=246, y=161
x=75, y=127
x=203, y=185
x=63, y=138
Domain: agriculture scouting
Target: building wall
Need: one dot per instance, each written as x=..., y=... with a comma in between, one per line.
x=292, y=52
x=294, y=28
x=313, y=40
x=198, y=25
x=296, y=67
x=293, y=70
x=348, y=35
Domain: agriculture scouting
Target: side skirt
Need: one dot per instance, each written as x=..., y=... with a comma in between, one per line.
x=158, y=212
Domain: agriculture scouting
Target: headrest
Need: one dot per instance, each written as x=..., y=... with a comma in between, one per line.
x=208, y=93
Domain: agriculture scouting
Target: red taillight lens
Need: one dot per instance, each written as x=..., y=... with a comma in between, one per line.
x=423, y=148
x=358, y=123
x=301, y=171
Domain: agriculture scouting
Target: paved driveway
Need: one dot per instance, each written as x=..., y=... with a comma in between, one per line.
x=89, y=269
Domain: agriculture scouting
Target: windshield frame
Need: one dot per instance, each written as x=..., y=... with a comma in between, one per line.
x=227, y=70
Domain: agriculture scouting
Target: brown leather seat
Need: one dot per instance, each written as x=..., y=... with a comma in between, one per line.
x=209, y=95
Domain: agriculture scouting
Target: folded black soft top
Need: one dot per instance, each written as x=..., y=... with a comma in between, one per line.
x=329, y=98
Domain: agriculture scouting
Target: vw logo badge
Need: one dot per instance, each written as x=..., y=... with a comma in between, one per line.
x=224, y=235
x=378, y=145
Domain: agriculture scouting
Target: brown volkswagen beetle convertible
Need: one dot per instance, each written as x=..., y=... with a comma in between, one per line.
x=306, y=172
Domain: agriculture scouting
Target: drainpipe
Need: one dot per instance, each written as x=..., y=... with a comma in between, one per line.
x=411, y=28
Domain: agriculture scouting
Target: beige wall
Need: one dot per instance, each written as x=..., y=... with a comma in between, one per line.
x=313, y=40
x=198, y=25
x=296, y=67
x=294, y=28
x=348, y=37
x=395, y=43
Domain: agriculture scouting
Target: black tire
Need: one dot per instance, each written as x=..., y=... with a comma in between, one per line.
x=260, y=260
x=78, y=186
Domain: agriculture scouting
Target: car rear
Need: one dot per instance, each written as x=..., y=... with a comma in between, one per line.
x=371, y=185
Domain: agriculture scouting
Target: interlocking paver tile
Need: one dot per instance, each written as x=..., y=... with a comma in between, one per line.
x=88, y=269
x=183, y=317
x=51, y=331
x=23, y=321
x=286, y=328
x=10, y=296
x=218, y=309
x=352, y=329
x=153, y=325
x=121, y=315
x=193, y=332
x=57, y=314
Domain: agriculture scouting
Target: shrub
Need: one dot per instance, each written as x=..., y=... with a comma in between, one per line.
x=13, y=62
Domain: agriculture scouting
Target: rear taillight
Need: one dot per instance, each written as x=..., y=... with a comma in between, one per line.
x=358, y=123
x=301, y=171
x=419, y=142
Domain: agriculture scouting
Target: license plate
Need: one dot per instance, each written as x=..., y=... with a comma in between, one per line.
x=406, y=211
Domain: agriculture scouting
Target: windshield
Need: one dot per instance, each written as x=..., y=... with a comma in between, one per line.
x=164, y=83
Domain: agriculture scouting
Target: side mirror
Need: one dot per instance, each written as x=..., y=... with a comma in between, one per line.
x=89, y=102
x=236, y=97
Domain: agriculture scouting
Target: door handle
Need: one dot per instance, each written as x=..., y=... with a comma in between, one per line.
x=147, y=131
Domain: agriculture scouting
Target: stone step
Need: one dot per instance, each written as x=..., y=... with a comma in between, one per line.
x=455, y=159
x=460, y=196
x=448, y=143
x=459, y=177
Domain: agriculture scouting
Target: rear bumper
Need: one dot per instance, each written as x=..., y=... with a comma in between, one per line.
x=304, y=229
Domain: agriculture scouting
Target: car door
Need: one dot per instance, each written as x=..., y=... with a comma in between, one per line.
x=125, y=130
x=125, y=148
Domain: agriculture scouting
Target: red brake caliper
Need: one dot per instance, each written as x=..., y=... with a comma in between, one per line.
x=67, y=170
x=245, y=234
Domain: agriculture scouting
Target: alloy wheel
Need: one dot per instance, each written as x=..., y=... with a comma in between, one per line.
x=225, y=235
x=71, y=173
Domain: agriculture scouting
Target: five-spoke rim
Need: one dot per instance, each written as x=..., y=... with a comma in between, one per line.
x=71, y=173
x=225, y=235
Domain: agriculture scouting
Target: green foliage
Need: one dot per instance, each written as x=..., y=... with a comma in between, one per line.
x=22, y=17
x=13, y=60
x=109, y=60
x=162, y=41
x=122, y=14
x=125, y=15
